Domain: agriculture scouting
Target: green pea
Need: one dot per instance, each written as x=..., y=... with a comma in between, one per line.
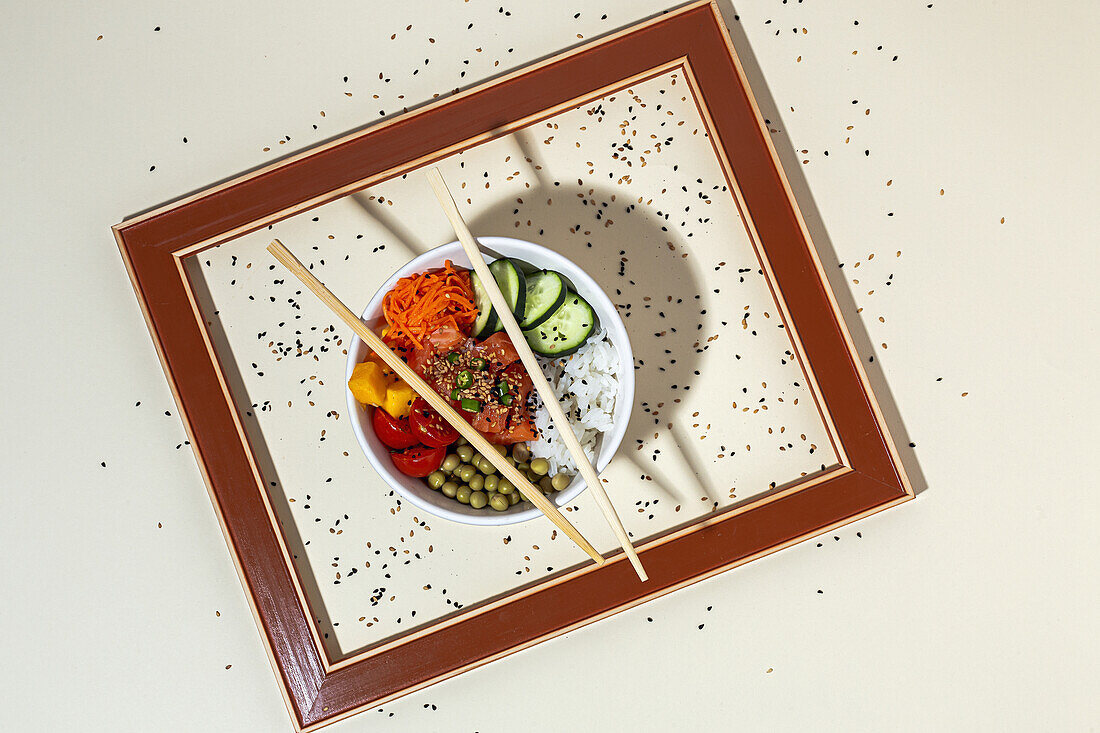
x=478, y=499
x=449, y=489
x=546, y=484
x=560, y=481
x=541, y=466
x=465, y=452
x=463, y=494
x=477, y=482
x=491, y=482
x=521, y=452
x=523, y=468
x=513, y=498
x=462, y=441
x=466, y=472
x=499, y=502
x=475, y=459
x=436, y=479
x=486, y=467
x=505, y=486
x=450, y=463
x=501, y=449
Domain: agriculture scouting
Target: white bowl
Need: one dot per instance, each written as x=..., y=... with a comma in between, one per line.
x=416, y=490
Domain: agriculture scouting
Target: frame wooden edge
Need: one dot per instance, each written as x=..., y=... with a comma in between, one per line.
x=613, y=556
x=261, y=487
x=317, y=719
x=881, y=424
x=304, y=711
x=899, y=465
x=374, y=127
x=284, y=688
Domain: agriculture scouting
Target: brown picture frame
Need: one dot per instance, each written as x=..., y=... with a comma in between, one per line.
x=869, y=477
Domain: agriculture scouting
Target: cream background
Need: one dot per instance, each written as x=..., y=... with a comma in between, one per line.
x=972, y=607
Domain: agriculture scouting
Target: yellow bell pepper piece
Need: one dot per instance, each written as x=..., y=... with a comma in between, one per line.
x=368, y=383
x=399, y=398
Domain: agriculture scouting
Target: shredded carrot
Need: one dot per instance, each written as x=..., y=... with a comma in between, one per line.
x=420, y=304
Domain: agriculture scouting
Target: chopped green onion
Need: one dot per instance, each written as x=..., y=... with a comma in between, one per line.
x=503, y=387
x=478, y=363
x=452, y=357
x=506, y=400
x=465, y=379
x=454, y=395
x=470, y=405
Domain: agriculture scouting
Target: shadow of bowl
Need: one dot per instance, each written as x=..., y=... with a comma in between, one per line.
x=642, y=266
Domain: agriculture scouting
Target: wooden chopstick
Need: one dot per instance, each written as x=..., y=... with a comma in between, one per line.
x=549, y=399
x=403, y=370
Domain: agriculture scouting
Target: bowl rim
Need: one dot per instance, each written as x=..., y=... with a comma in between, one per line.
x=616, y=329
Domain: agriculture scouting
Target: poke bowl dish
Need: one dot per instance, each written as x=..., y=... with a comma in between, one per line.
x=435, y=314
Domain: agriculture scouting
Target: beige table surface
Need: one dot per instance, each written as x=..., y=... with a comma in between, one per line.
x=972, y=125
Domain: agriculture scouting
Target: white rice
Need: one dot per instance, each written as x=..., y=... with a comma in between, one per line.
x=586, y=385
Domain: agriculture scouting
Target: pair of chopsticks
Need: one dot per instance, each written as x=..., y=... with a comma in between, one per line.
x=530, y=491
x=546, y=392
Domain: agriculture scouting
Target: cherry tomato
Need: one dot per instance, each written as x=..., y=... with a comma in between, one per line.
x=393, y=433
x=429, y=426
x=419, y=461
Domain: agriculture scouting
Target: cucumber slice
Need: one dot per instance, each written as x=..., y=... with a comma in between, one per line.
x=513, y=284
x=566, y=330
x=487, y=319
x=546, y=291
x=524, y=266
